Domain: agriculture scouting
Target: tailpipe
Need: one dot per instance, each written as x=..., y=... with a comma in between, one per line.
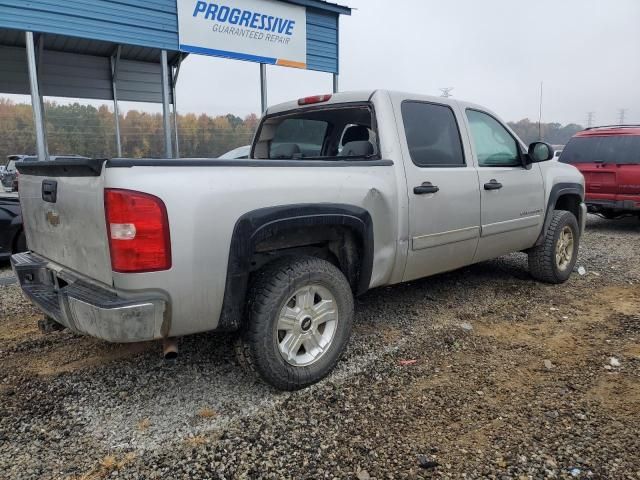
x=170, y=348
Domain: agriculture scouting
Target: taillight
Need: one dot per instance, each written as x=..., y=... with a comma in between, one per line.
x=314, y=99
x=138, y=229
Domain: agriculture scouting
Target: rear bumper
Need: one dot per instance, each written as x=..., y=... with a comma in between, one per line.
x=88, y=308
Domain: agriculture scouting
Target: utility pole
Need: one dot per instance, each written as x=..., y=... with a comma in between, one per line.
x=540, y=116
x=622, y=113
x=590, y=116
x=446, y=92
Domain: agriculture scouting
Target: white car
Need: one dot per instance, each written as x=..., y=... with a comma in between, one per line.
x=237, y=153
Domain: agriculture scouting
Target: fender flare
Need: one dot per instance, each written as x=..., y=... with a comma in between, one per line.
x=558, y=190
x=258, y=225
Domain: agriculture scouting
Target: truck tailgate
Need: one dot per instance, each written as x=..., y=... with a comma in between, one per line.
x=63, y=212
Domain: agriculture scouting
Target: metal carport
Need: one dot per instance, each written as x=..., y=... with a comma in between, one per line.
x=121, y=50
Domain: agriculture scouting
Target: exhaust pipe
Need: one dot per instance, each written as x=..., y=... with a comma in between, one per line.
x=170, y=348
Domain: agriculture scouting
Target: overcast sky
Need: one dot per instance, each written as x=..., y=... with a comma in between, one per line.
x=493, y=52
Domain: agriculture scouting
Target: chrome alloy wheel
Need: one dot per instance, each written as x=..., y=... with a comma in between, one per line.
x=564, y=248
x=307, y=325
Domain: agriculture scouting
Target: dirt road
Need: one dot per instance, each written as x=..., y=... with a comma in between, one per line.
x=481, y=373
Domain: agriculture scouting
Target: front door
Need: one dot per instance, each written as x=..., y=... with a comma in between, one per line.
x=444, y=198
x=512, y=195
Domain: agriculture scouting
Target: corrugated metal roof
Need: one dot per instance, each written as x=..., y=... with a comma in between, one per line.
x=322, y=41
x=83, y=46
x=96, y=27
x=152, y=23
x=322, y=5
x=64, y=74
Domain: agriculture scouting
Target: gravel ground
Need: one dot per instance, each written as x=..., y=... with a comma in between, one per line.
x=479, y=373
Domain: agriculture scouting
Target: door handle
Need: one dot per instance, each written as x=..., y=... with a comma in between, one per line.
x=493, y=185
x=426, y=187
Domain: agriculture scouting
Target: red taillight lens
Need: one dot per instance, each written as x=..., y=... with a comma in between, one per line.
x=138, y=229
x=314, y=99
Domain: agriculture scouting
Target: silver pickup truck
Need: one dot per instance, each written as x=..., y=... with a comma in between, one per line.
x=341, y=194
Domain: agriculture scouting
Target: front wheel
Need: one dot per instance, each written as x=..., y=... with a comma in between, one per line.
x=554, y=259
x=299, y=322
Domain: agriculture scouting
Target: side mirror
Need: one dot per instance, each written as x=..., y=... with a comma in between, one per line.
x=540, y=152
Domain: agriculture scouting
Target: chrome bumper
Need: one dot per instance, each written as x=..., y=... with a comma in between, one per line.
x=84, y=306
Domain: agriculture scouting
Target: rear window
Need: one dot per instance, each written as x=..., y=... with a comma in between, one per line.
x=336, y=132
x=621, y=150
x=307, y=134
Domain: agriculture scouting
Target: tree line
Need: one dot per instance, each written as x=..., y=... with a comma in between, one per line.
x=90, y=131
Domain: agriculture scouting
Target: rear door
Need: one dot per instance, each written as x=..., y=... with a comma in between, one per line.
x=442, y=184
x=512, y=196
x=63, y=212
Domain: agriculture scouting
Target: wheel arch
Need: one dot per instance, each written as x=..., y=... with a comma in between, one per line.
x=563, y=196
x=282, y=229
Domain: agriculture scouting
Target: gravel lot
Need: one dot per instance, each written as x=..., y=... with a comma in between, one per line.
x=481, y=371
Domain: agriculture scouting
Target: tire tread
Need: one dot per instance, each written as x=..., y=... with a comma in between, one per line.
x=266, y=289
x=542, y=257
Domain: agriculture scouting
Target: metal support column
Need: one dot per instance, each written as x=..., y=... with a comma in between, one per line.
x=115, y=62
x=263, y=87
x=166, y=112
x=36, y=104
x=335, y=83
x=174, y=82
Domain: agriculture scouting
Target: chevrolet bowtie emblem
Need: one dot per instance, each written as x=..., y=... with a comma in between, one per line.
x=53, y=218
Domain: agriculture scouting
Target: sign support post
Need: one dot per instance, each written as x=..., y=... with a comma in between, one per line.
x=263, y=87
x=174, y=82
x=166, y=112
x=115, y=62
x=36, y=103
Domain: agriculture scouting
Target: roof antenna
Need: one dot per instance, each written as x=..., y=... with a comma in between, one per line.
x=446, y=92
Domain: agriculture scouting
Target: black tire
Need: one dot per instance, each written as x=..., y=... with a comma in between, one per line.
x=21, y=243
x=272, y=287
x=542, y=259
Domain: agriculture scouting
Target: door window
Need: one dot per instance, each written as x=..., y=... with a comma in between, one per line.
x=432, y=134
x=495, y=147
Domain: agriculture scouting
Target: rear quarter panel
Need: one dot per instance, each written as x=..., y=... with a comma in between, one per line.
x=204, y=204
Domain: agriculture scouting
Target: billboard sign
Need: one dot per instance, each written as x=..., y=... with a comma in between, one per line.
x=264, y=31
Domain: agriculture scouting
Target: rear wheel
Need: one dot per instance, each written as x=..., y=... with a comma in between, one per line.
x=554, y=259
x=299, y=322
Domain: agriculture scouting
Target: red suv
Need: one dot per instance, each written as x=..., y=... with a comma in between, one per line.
x=609, y=159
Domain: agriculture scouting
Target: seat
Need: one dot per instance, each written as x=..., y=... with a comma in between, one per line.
x=362, y=148
x=355, y=142
x=285, y=151
x=355, y=133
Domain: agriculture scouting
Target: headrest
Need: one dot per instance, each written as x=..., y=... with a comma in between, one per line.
x=285, y=150
x=357, y=149
x=355, y=133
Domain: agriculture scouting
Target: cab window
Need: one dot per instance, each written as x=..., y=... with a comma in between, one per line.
x=494, y=145
x=334, y=132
